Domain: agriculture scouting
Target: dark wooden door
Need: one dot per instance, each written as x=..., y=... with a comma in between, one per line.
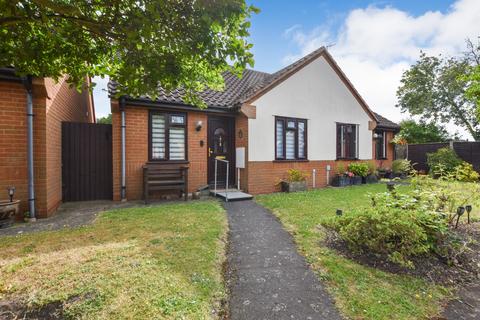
x=221, y=145
x=86, y=161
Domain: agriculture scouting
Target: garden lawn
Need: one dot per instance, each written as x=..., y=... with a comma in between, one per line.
x=142, y=263
x=360, y=292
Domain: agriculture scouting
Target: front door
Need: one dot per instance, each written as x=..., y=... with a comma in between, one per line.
x=221, y=145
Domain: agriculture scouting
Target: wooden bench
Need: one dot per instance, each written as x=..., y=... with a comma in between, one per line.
x=158, y=176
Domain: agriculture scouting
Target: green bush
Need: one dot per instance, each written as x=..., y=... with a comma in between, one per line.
x=295, y=175
x=443, y=161
x=372, y=167
x=400, y=234
x=359, y=168
x=401, y=166
x=465, y=173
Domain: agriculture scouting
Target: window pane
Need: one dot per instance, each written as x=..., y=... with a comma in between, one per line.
x=158, y=136
x=301, y=139
x=291, y=124
x=290, y=144
x=279, y=133
x=177, y=119
x=177, y=143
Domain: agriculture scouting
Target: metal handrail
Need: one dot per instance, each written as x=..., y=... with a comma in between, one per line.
x=215, y=181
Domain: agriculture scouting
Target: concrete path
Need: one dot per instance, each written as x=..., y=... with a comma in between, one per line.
x=267, y=278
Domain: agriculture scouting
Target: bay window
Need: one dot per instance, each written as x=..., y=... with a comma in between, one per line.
x=290, y=139
x=347, y=141
x=167, y=136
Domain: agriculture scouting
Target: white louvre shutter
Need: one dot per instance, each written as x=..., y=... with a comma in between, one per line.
x=177, y=143
x=301, y=140
x=290, y=144
x=158, y=136
x=279, y=133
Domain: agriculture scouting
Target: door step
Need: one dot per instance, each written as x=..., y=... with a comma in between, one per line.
x=232, y=195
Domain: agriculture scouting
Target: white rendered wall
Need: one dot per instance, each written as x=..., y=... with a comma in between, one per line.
x=315, y=93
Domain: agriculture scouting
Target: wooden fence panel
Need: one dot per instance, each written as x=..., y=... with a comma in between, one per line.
x=467, y=151
x=86, y=161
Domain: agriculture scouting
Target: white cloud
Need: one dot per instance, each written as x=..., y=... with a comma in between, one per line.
x=374, y=45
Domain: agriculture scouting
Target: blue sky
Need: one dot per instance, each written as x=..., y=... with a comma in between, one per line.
x=373, y=41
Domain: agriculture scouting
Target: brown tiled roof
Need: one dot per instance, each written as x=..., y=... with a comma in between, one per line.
x=250, y=86
x=385, y=123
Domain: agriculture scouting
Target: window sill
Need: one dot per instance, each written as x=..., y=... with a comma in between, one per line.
x=347, y=159
x=381, y=158
x=291, y=160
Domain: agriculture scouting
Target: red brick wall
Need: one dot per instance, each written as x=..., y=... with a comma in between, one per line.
x=386, y=163
x=63, y=104
x=47, y=142
x=137, y=150
x=241, y=140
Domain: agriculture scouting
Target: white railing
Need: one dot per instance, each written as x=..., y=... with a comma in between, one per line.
x=215, y=181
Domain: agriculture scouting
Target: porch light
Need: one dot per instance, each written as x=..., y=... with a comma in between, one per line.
x=199, y=125
x=376, y=136
x=11, y=192
x=468, y=207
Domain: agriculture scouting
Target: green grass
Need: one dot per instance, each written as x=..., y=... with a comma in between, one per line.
x=142, y=263
x=360, y=292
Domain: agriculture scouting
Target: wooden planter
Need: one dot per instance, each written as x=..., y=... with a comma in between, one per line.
x=8, y=211
x=294, y=186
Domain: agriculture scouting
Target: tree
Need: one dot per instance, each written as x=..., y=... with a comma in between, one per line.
x=434, y=88
x=105, y=120
x=419, y=132
x=139, y=43
x=473, y=89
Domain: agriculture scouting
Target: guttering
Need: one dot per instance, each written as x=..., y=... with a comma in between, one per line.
x=27, y=82
x=123, y=190
x=176, y=106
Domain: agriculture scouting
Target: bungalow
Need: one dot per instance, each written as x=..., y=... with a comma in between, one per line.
x=34, y=166
x=306, y=116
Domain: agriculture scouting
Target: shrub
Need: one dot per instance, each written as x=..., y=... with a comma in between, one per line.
x=341, y=169
x=398, y=233
x=401, y=166
x=465, y=173
x=358, y=168
x=372, y=167
x=443, y=161
x=295, y=175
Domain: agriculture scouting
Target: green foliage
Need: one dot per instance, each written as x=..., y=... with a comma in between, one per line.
x=105, y=120
x=473, y=90
x=421, y=132
x=372, y=167
x=443, y=161
x=464, y=172
x=359, y=168
x=341, y=168
x=393, y=231
x=183, y=43
x=401, y=166
x=434, y=88
x=295, y=175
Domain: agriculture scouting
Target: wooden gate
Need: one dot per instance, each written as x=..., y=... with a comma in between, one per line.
x=86, y=161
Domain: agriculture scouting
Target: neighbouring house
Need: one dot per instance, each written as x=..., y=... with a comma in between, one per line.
x=52, y=103
x=306, y=116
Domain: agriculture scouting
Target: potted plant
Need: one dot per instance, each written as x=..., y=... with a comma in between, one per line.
x=401, y=168
x=343, y=178
x=384, y=173
x=372, y=173
x=360, y=171
x=8, y=210
x=296, y=181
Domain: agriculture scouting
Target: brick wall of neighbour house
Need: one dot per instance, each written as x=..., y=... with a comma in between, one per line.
x=137, y=150
x=47, y=141
x=63, y=104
